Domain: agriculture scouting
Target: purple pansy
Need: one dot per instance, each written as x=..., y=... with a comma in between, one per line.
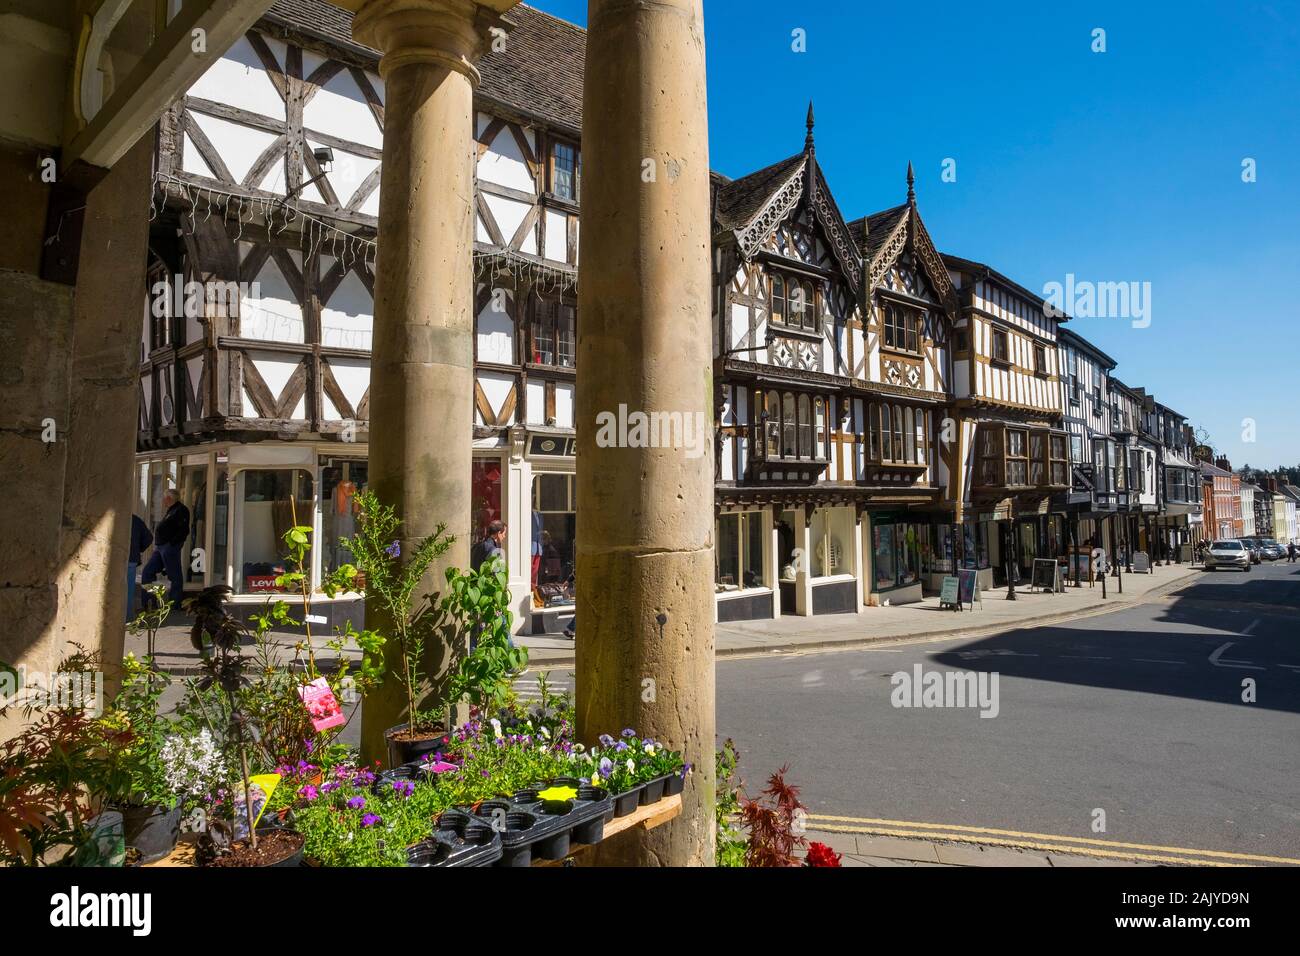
x=356, y=803
x=370, y=819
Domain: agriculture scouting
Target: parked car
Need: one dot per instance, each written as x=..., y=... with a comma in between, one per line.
x=1271, y=550
x=1229, y=553
x=1255, y=546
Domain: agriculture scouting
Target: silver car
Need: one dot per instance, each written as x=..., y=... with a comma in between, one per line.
x=1229, y=553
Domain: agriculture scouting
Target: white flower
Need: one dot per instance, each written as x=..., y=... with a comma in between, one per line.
x=496, y=727
x=631, y=766
x=192, y=765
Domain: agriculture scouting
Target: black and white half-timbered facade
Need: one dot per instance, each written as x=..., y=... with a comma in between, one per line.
x=255, y=389
x=1095, y=458
x=1011, y=444
x=831, y=377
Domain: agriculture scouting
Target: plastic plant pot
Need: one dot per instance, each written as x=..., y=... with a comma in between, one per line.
x=152, y=830
x=428, y=853
x=453, y=821
x=525, y=796
x=518, y=824
x=652, y=792
x=675, y=783
x=593, y=830
x=627, y=802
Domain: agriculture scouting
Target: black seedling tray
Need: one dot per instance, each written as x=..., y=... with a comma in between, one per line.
x=531, y=828
x=460, y=840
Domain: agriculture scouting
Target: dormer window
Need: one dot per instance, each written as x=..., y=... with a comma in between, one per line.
x=794, y=302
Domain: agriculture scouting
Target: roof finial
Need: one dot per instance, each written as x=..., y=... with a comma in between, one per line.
x=911, y=182
x=808, y=140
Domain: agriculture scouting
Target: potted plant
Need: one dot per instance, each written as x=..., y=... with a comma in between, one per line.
x=234, y=838
x=133, y=737
x=476, y=607
x=391, y=581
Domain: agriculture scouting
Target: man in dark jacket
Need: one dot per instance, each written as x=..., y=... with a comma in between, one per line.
x=169, y=541
x=141, y=538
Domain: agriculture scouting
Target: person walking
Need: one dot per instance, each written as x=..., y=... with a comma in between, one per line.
x=169, y=538
x=141, y=538
x=492, y=545
x=1290, y=552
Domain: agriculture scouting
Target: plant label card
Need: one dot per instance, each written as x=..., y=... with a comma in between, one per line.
x=321, y=704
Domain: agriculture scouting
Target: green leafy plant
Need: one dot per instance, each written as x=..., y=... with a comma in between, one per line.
x=152, y=618
x=390, y=583
x=477, y=604
x=729, y=844
x=133, y=735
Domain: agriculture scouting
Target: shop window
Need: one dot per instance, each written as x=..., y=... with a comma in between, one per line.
x=342, y=479
x=194, y=495
x=554, y=531
x=485, y=493
x=220, y=527
x=832, y=541
x=897, y=548
x=271, y=501
x=739, y=551
x=787, y=543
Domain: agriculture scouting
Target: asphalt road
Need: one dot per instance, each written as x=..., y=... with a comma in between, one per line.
x=1139, y=713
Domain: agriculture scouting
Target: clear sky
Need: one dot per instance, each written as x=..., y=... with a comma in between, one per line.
x=1115, y=166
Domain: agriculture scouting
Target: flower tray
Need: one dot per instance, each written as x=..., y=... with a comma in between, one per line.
x=652, y=791
x=532, y=828
x=460, y=840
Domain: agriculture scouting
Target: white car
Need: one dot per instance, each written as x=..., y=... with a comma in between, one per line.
x=1227, y=554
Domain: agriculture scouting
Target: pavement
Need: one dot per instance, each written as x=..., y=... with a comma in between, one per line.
x=918, y=621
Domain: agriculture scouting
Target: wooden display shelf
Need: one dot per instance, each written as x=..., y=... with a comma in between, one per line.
x=645, y=818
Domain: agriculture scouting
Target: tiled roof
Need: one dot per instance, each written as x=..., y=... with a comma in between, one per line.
x=539, y=73
x=740, y=200
x=870, y=232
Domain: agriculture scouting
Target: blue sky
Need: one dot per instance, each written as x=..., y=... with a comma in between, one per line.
x=1122, y=166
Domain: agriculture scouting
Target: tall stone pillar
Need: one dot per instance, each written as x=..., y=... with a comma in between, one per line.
x=645, y=514
x=422, y=361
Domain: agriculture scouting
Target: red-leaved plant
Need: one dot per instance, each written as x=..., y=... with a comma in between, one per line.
x=819, y=854
x=770, y=821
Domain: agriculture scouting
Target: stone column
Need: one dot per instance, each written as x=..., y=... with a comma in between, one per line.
x=422, y=361
x=645, y=514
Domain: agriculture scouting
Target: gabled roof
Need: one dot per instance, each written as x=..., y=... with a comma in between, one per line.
x=1213, y=471
x=753, y=206
x=740, y=200
x=982, y=270
x=870, y=232
x=1079, y=342
x=539, y=73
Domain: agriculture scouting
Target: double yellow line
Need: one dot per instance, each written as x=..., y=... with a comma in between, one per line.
x=990, y=836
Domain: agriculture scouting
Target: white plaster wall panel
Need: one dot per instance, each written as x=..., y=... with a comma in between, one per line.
x=496, y=387
x=577, y=240
x=327, y=407
x=503, y=163
x=146, y=387
x=557, y=236
x=275, y=371
x=353, y=376
x=536, y=393
x=239, y=79
x=564, y=405
x=194, y=368
x=728, y=469
x=507, y=212
x=239, y=146
x=192, y=162
x=296, y=256
x=728, y=415
x=273, y=314
x=529, y=242
x=496, y=335
x=347, y=319
x=739, y=324
x=481, y=233
x=961, y=378
x=340, y=109
x=193, y=323
x=371, y=206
